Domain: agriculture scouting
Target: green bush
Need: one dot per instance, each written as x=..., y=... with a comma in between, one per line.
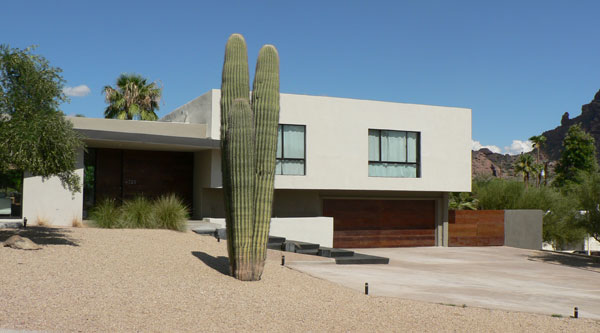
x=166, y=212
x=137, y=213
x=498, y=193
x=560, y=209
x=169, y=212
x=106, y=214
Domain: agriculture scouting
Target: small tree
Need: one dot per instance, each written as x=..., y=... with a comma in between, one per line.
x=132, y=98
x=538, y=142
x=34, y=135
x=525, y=166
x=578, y=155
x=588, y=194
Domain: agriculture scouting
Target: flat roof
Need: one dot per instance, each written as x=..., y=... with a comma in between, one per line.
x=143, y=135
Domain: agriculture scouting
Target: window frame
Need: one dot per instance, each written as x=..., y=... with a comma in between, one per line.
x=417, y=162
x=283, y=158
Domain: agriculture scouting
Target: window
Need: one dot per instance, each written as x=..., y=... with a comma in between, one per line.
x=394, y=154
x=291, y=150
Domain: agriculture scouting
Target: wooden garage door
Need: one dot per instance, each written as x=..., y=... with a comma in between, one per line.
x=381, y=223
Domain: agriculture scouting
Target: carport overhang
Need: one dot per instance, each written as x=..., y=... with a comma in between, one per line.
x=143, y=135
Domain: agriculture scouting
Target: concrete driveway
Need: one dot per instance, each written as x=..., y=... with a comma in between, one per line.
x=490, y=277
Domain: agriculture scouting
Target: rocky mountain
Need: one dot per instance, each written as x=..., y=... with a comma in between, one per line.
x=589, y=120
x=486, y=163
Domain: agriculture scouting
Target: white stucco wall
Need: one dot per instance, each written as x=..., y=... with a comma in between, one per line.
x=50, y=201
x=337, y=143
x=318, y=230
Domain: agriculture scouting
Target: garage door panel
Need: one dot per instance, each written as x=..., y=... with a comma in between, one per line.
x=381, y=223
x=384, y=238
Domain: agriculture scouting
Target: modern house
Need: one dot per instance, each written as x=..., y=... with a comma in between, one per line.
x=380, y=171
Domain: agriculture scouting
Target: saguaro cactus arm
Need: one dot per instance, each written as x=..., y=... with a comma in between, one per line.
x=265, y=104
x=234, y=84
x=240, y=154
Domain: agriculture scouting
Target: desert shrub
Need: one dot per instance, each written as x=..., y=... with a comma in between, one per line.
x=561, y=226
x=560, y=208
x=106, y=214
x=169, y=212
x=137, y=213
x=166, y=212
x=462, y=201
x=498, y=193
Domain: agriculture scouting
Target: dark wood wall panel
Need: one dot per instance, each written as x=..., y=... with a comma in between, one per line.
x=124, y=174
x=360, y=223
x=108, y=174
x=153, y=173
x=476, y=228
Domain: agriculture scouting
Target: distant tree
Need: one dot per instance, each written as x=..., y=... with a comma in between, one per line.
x=34, y=134
x=132, y=98
x=538, y=142
x=588, y=194
x=525, y=166
x=579, y=155
x=462, y=201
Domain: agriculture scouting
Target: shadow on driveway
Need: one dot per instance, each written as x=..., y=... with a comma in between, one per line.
x=219, y=264
x=41, y=235
x=575, y=261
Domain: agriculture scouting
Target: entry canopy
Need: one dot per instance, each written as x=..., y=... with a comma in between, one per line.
x=143, y=135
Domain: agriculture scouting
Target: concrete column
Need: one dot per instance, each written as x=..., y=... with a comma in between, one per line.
x=439, y=227
x=445, y=219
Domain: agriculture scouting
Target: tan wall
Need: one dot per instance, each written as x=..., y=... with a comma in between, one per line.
x=337, y=143
x=50, y=201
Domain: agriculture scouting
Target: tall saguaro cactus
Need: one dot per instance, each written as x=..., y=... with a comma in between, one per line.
x=249, y=146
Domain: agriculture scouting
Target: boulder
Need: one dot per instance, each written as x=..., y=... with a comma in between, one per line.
x=21, y=243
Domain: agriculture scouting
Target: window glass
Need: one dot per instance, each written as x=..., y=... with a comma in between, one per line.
x=393, y=153
x=393, y=146
x=279, y=138
x=293, y=141
x=373, y=145
x=292, y=167
x=411, y=155
x=290, y=150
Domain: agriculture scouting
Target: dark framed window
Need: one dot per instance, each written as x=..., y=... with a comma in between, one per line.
x=394, y=153
x=291, y=150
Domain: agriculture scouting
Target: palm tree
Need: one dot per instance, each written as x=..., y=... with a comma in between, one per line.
x=525, y=165
x=538, y=142
x=133, y=98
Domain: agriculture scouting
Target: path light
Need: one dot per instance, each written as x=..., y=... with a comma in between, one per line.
x=24, y=223
x=282, y=260
x=366, y=288
x=576, y=312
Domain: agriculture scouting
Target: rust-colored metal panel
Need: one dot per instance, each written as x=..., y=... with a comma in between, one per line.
x=361, y=223
x=476, y=228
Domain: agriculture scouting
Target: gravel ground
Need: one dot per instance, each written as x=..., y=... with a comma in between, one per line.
x=87, y=279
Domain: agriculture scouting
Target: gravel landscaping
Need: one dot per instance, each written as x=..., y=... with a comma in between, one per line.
x=87, y=280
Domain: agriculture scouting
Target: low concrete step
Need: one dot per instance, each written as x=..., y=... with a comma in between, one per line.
x=11, y=224
x=362, y=259
x=334, y=253
x=205, y=230
x=313, y=252
x=275, y=246
x=276, y=239
x=294, y=246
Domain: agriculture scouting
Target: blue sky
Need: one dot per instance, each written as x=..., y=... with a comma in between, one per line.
x=519, y=65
